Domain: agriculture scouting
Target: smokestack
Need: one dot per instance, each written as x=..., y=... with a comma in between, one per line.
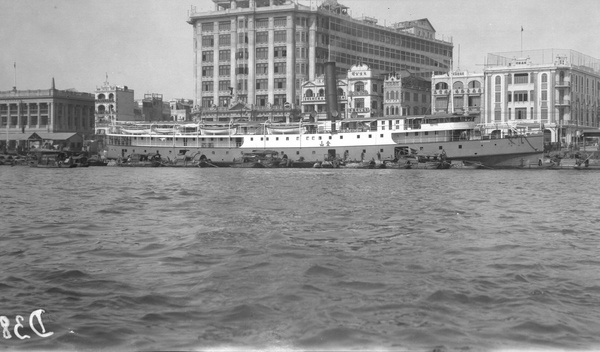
x=331, y=98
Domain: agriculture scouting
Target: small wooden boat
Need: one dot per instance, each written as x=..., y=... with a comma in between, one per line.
x=258, y=159
x=51, y=159
x=141, y=160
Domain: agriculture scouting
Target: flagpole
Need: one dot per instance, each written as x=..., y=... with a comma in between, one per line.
x=15, y=66
x=521, y=40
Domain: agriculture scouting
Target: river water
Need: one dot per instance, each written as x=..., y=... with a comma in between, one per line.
x=299, y=259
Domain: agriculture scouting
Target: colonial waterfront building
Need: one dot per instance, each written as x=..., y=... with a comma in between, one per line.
x=554, y=90
x=364, y=93
x=557, y=90
x=113, y=103
x=52, y=117
x=180, y=109
x=313, y=102
x=406, y=94
x=459, y=92
x=260, y=52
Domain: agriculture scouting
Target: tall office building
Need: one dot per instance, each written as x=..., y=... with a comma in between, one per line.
x=259, y=52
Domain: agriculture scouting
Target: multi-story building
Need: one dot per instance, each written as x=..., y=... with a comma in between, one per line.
x=552, y=90
x=153, y=108
x=365, y=92
x=259, y=52
x=180, y=109
x=313, y=97
x=557, y=90
x=113, y=104
x=406, y=94
x=457, y=92
x=34, y=118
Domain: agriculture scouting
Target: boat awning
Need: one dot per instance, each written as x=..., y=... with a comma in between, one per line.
x=591, y=133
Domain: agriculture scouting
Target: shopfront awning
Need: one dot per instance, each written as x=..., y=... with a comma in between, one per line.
x=15, y=136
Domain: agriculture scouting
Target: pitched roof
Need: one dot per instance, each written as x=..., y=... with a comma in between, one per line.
x=59, y=136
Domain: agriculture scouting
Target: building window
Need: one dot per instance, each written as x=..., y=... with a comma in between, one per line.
x=262, y=53
x=262, y=69
x=207, y=27
x=208, y=41
x=280, y=36
x=224, y=70
x=279, y=67
x=224, y=39
x=242, y=69
x=521, y=78
x=521, y=113
x=279, y=99
x=280, y=21
x=498, y=115
x=262, y=84
x=280, y=51
x=223, y=86
x=261, y=23
x=224, y=101
x=262, y=37
x=225, y=26
x=242, y=53
x=521, y=96
x=280, y=83
x=261, y=100
x=224, y=55
x=207, y=56
x=207, y=86
x=207, y=71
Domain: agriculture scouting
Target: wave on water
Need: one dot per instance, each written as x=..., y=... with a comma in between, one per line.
x=196, y=259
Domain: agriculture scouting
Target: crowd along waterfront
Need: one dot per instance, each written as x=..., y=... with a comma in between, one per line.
x=300, y=259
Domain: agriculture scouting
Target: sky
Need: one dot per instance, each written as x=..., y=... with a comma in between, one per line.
x=147, y=45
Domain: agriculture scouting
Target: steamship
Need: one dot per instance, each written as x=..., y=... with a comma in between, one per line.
x=458, y=138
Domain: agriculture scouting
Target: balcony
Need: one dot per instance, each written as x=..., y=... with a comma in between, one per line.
x=563, y=84
x=315, y=98
x=474, y=90
x=563, y=102
x=359, y=110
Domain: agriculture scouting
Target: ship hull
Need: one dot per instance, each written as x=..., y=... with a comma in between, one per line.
x=513, y=152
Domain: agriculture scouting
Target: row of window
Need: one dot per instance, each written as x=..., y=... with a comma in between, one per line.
x=259, y=23
x=384, y=52
x=262, y=53
x=242, y=69
x=357, y=30
x=380, y=65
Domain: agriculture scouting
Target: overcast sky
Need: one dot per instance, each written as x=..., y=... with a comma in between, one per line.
x=147, y=44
